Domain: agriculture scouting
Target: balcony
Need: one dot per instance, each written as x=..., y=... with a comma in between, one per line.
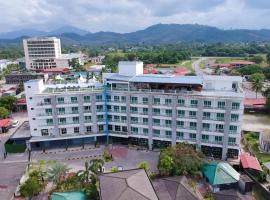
x=193, y=105
x=168, y=125
x=235, y=107
x=181, y=105
x=156, y=124
x=133, y=102
x=205, y=141
x=234, y=119
x=67, y=113
x=45, y=114
x=217, y=142
x=87, y=111
x=233, y=132
x=179, y=137
x=193, y=128
x=232, y=144
x=181, y=116
x=44, y=103
x=145, y=102
x=219, y=130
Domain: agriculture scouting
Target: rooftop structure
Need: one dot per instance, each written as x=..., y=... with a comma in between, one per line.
x=249, y=162
x=148, y=110
x=130, y=184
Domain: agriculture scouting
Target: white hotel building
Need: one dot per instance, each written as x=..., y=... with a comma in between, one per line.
x=150, y=110
x=45, y=53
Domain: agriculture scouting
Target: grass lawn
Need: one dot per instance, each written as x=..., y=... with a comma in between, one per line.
x=184, y=64
x=227, y=59
x=253, y=142
x=88, y=65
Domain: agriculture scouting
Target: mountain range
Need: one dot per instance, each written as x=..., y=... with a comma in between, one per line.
x=156, y=34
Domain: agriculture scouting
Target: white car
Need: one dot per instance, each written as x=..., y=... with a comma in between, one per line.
x=15, y=123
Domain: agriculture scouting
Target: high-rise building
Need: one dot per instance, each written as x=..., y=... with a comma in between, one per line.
x=149, y=110
x=45, y=53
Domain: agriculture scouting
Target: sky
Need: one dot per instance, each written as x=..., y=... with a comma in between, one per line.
x=131, y=15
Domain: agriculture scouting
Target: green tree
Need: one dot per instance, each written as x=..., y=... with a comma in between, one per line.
x=7, y=102
x=4, y=113
x=96, y=166
x=114, y=169
x=257, y=80
x=250, y=69
x=30, y=188
x=268, y=102
x=257, y=59
x=166, y=165
x=144, y=165
x=268, y=57
x=57, y=171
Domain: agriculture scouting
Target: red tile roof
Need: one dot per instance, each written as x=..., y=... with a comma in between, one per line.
x=21, y=101
x=181, y=71
x=255, y=102
x=219, y=65
x=4, y=123
x=250, y=162
x=242, y=62
x=56, y=70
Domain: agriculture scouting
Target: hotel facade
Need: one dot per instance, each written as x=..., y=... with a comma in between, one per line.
x=149, y=110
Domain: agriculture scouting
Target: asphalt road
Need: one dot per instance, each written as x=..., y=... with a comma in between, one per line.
x=196, y=66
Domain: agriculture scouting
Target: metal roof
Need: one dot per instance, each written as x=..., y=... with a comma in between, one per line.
x=117, y=77
x=153, y=78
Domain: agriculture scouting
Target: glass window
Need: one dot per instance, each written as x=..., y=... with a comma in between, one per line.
x=145, y=111
x=235, y=105
x=116, y=98
x=207, y=104
x=123, y=109
x=220, y=116
x=134, y=99
x=76, y=129
x=117, y=128
x=47, y=101
x=134, y=119
x=192, y=125
x=168, y=112
x=157, y=101
x=206, y=115
x=99, y=97
x=231, y=140
x=180, y=124
x=179, y=134
x=123, y=118
x=145, y=100
x=181, y=113
x=205, y=137
x=74, y=109
x=60, y=100
x=87, y=118
x=234, y=117
x=145, y=131
x=192, y=114
x=134, y=129
x=156, y=111
x=221, y=104
x=156, y=132
x=86, y=98
x=218, y=138
x=63, y=131
x=156, y=121
x=219, y=127
x=181, y=102
x=206, y=126
x=73, y=99
x=168, y=101
x=88, y=129
x=100, y=108
x=145, y=120
x=62, y=120
x=87, y=108
x=168, y=133
x=75, y=119
x=193, y=103
x=192, y=136
x=100, y=127
x=44, y=132
x=123, y=98
x=124, y=129
x=48, y=111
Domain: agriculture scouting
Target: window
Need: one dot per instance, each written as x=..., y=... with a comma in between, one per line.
x=179, y=135
x=145, y=131
x=124, y=129
x=192, y=136
x=220, y=116
x=110, y=127
x=116, y=108
x=116, y=98
x=100, y=127
x=99, y=97
x=47, y=101
x=117, y=128
x=207, y=104
x=48, y=111
x=180, y=124
x=75, y=119
x=109, y=98
x=134, y=109
x=181, y=102
x=109, y=108
x=123, y=109
x=87, y=118
x=156, y=122
x=145, y=111
x=99, y=108
x=235, y=105
x=60, y=100
x=134, y=99
x=234, y=117
x=218, y=139
x=116, y=118
x=145, y=121
x=88, y=129
x=61, y=111
x=205, y=137
x=44, y=132
x=219, y=128
x=123, y=118
x=168, y=112
x=134, y=120
x=221, y=104
x=63, y=131
x=181, y=113
x=99, y=118
x=156, y=132
x=73, y=99
x=193, y=103
x=206, y=115
x=168, y=134
x=123, y=99
x=193, y=125
x=74, y=110
x=76, y=129
x=231, y=140
x=145, y=100
x=168, y=101
x=87, y=108
x=62, y=120
x=86, y=99
x=192, y=114
x=134, y=130
x=157, y=101
x=232, y=129
x=168, y=123
x=156, y=111
x=206, y=126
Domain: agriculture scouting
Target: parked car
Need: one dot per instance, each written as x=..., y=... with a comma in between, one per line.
x=15, y=123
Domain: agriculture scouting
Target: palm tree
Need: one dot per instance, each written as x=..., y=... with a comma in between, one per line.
x=257, y=82
x=57, y=171
x=96, y=166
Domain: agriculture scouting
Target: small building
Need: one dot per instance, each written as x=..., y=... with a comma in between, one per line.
x=55, y=71
x=16, y=78
x=96, y=69
x=241, y=63
x=221, y=176
x=250, y=164
x=174, y=188
x=129, y=184
x=97, y=59
x=264, y=140
x=181, y=71
x=245, y=184
x=254, y=104
x=5, y=124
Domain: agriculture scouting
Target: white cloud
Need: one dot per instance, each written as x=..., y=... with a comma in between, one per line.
x=131, y=15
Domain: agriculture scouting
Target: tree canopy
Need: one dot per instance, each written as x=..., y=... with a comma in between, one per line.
x=257, y=80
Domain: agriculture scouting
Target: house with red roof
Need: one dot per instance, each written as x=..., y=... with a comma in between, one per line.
x=254, y=104
x=5, y=124
x=250, y=163
x=181, y=71
x=241, y=63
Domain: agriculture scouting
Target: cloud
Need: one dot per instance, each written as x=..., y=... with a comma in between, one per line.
x=131, y=15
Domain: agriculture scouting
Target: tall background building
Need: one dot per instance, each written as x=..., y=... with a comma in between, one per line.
x=45, y=53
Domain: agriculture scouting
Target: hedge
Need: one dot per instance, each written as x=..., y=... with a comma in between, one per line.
x=15, y=148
